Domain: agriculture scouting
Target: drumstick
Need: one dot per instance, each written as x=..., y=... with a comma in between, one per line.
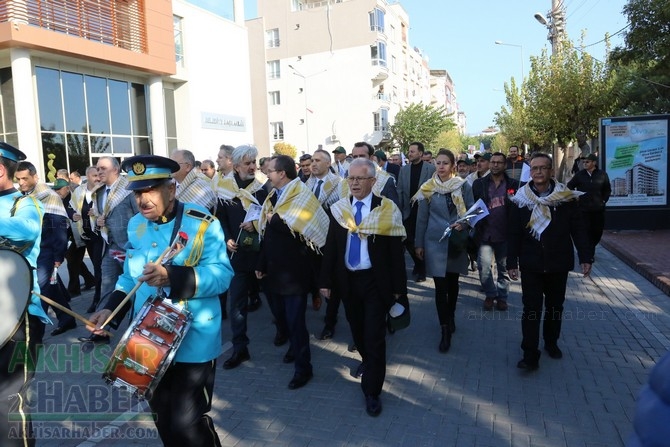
x=132, y=292
x=68, y=311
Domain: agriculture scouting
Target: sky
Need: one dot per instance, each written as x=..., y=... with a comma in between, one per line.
x=459, y=36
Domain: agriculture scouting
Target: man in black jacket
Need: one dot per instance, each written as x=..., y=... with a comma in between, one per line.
x=367, y=272
x=237, y=195
x=541, y=232
x=596, y=184
x=491, y=232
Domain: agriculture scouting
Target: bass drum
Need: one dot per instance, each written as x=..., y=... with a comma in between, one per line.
x=16, y=283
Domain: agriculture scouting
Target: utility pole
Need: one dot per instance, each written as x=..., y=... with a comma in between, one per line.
x=555, y=23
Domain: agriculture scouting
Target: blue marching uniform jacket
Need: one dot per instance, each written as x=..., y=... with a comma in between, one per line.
x=197, y=287
x=20, y=224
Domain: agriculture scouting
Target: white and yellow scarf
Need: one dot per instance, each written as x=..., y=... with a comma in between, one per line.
x=384, y=220
x=50, y=199
x=227, y=189
x=452, y=186
x=301, y=211
x=540, y=217
x=329, y=188
x=117, y=193
x=381, y=176
x=193, y=189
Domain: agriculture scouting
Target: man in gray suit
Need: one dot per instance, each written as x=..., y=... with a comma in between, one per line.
x=411, y=177
x=113, y=206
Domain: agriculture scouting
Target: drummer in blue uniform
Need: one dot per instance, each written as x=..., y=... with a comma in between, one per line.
x=20, y=229
x=193, y=278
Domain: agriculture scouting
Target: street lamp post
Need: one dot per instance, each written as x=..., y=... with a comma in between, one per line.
x=499, y=42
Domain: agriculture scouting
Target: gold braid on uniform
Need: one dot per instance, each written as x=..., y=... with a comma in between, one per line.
x=198, y=245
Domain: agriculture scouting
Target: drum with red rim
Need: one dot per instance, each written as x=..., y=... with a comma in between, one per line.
x=148, y=347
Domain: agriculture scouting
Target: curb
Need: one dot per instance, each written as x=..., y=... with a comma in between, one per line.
x=644, y=269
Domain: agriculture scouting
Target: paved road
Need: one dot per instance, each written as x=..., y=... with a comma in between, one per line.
x=614, y=330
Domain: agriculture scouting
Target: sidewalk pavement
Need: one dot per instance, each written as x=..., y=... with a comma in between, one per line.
x=616, y=326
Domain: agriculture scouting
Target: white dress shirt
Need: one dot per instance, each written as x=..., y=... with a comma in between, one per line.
x=365, y=256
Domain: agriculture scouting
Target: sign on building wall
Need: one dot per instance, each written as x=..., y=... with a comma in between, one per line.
x=223, y=122
x=635, y=157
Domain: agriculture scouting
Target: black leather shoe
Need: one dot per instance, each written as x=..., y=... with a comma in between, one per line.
x=89, y=286
x=421, y=278
x=299, y=380
x=288, y=357
x=74, y=294
x=360, y=371
x=554, y=351
x=254, y=304
x=280, y=339
x=60, y=329
x=373, y=405
x=327, y=333
x=94, y=338
x=528, y=365
x=236, y=359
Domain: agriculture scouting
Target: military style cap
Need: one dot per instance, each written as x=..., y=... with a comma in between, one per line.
x=485, y=156
x=147, y=171
x=339, y=150
x=11, y=153
x=60, y=183
x=381, y=155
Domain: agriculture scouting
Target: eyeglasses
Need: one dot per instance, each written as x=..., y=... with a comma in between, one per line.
x=540, y=168
x=357, y=179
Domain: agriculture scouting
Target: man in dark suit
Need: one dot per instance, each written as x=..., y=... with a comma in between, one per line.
x=411, y=177
x=385, y=184
x=293, y=228
x=367, y=272
x=383, y=163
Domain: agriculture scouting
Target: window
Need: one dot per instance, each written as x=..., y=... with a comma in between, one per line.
x=275, y=98
x=8, y=132
x=274, y=72
x=377, y=20
x=83, y=117
x=178, y=40
x=378, y=54
x=277, y=130
x=272, y=37
x=394, y=64
x=381, y=119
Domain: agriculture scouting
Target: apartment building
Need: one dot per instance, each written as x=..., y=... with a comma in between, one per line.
x=327, y=73
x=84, y=78
x=443, y=94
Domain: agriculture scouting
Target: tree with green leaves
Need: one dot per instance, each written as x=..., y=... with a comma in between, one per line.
x=420, y=122
x=450, y=139
x=644, y=61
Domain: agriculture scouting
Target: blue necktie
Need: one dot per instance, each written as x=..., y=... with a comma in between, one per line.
x=355, y=242
x=317, y=191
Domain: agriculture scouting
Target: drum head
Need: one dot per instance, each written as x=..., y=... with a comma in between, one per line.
x=16, y=282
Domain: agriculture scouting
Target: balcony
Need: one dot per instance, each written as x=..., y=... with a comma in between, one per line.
x=312, y=4
x=380, y=71
x=117, y=23
x=382, y=99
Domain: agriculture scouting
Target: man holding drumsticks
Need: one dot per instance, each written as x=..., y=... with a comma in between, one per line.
x=193, y=278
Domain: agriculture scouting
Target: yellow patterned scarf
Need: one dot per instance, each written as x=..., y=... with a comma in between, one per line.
x=193, y=189
x=329, y=188
x=540, y=217
x=227, y=189
x=301, y=211
x=452, y=186
x=384, y=220
x=50, y=199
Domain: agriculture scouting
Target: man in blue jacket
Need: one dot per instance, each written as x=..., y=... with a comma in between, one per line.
x=192, y=279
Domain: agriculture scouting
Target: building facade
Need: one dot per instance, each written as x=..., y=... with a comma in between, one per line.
x=86, y=78
x=332, y=72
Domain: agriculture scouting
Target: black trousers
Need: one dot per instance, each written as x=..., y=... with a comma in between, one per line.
x=538, y=290
x=366, y=313
x=595, y=223
x=75, y=267
x=332, y=308
x=94, y=247
x=18, y=358
x=446, y=294
x=410, y=228
x=289, y=312
x=180, y=405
